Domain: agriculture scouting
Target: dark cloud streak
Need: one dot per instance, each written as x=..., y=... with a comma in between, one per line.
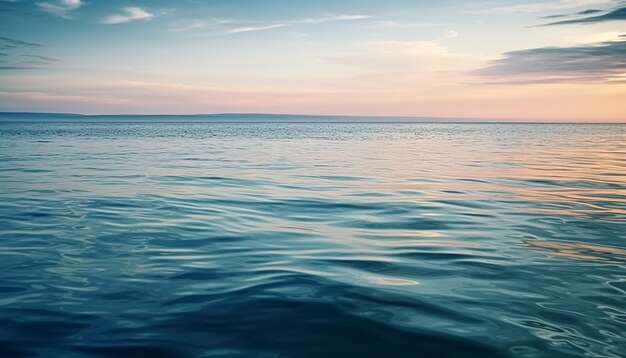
x=603, y=62
x=43, y=58
x=588, y=12
x=584, y=12
x=615, y=15
x=17, y=43
x=18, y=67
x=14, y=60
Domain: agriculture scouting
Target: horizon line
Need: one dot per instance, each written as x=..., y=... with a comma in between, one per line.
x=434, y=119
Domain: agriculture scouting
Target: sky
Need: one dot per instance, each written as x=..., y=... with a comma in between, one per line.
x=508, y=59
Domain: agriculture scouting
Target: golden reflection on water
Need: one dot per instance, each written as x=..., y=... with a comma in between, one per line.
x=580, y=250
x=389, y=281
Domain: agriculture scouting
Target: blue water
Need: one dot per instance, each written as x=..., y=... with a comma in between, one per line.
x=312, y=239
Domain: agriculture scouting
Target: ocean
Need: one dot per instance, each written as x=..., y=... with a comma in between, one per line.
x=136, y=237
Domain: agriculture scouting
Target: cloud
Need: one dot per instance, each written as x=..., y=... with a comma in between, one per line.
x=61, y=8
x=196, y=25
x=18, y=67
x=237, y=30
x=14, y=60
x=450, y=34
x=330, y=18
x=603, y=62
x=545, y=6
x=7, y=43
x=405, y=24
x=128, y=14
x=305, y=21
x=588, y=12
x=615, y=15
x=34, y=63
x=218, y=26
x=406, y=65
x=42, y=58
x=584, y=12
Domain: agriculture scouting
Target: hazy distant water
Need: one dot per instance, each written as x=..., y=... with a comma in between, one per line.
x=316, y=239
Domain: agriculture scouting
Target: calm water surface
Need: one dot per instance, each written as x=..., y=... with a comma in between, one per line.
x=312, y=239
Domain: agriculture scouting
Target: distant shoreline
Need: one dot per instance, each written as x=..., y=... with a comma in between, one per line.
x=264, y=118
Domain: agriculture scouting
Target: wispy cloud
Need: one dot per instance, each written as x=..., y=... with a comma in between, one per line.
x=218, y=26
x=330, y=18
x=61, y=8
x=615, y=15
x=405, y=24
x=7, y=43
x=407, y=63
x=197, y=25
x=42, y=58
x=128, y=14
x=584, y=12
x=18, y=67
x=237, y=30
x=304, y=21
x=25, y=62
x=602, y=62
x=545, y=6
x=15, y=59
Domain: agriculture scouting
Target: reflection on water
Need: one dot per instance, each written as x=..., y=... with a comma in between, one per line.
x=583, y=251
x=312, y=239
x=391, y=281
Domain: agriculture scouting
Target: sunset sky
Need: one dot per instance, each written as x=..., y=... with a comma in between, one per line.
x=552, y=60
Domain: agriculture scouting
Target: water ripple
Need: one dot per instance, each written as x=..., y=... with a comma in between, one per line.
x=312, y=239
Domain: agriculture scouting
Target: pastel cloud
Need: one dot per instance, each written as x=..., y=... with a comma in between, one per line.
x=254, y=28
x=128, y=14
x=409, y=57
x=231, y=26
x=61, y=8
x=331, y=18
